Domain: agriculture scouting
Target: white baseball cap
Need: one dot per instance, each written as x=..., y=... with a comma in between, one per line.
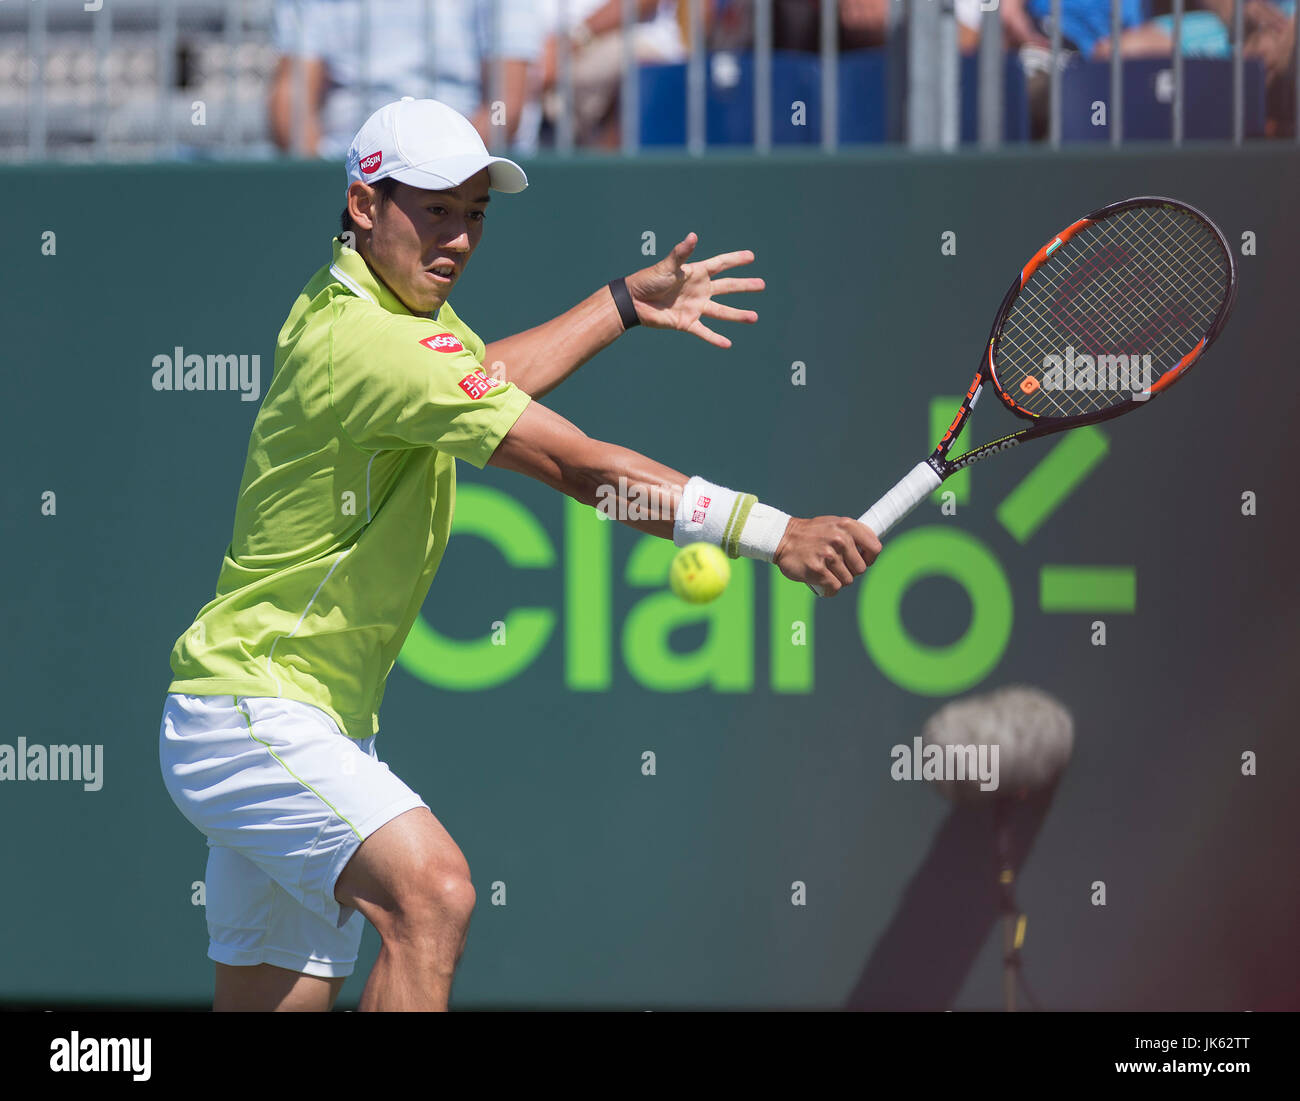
x=425, y=143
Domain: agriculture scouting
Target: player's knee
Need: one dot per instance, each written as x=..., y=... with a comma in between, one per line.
x=456, y=897
x=434, y=903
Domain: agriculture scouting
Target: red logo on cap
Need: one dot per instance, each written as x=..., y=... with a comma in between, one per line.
x=443, y=342
x=371, y=163
x=476, y=384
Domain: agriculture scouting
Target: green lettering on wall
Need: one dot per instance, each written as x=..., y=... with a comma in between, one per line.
x=469, y=666
x=935, y=670
x=725, y=662
x=791, y=645
x=588, y=615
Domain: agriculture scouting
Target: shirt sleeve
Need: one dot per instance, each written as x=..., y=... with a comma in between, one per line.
x=400, y=382
x=519, y=31
x=300, y=28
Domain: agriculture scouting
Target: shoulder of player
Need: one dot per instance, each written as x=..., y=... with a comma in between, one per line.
x=363, y=332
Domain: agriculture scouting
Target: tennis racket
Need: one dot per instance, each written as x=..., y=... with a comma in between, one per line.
x=1111, y=312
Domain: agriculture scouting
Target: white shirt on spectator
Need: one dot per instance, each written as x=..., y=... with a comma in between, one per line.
x=401, y=54
x=657, y=40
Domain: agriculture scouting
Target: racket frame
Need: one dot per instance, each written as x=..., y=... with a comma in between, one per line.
x=926, y=476
x=1046, y=426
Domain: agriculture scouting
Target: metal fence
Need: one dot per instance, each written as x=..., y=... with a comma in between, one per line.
x=158, y=79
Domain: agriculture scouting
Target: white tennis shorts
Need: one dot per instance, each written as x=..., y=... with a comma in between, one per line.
x=285, y=798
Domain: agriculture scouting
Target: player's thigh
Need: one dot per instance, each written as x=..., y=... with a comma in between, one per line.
x=407, y=863
x=264, y=987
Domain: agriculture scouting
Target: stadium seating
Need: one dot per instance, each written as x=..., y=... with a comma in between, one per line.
x=1148, y=99
x=796, y=78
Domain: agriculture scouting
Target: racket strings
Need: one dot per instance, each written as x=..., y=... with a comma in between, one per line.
x=1099, y=268
x=1094, y=302
x=1091, y=299
x=1148, y=280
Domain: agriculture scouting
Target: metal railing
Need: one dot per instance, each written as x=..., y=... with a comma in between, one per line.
x=133, y=96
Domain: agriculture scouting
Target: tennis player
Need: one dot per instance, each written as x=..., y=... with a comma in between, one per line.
x=267, y=741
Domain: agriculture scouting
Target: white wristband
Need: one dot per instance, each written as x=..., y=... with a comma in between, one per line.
x=736, y=522
x=762, y=532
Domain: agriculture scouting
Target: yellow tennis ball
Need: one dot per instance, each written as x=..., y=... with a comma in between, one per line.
x=699, y=573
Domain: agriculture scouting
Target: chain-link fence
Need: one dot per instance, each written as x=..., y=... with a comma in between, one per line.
x=151, y=79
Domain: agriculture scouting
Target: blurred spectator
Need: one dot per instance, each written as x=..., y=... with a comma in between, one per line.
x=1269, y=37
x=796, y=24
x=1027, y=27
x=593, y=28
x=1205, y=33
x=429, y=49
x=1083, y=22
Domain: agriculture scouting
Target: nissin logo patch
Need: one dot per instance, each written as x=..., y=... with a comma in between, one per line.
x=443, y=342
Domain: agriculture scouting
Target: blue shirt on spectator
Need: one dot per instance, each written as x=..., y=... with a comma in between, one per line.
x=1085, y=22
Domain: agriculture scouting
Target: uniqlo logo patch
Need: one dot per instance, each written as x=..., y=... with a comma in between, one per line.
x=476, y=384
x=698, y=516
x=705, y=502
x=372, y=162
x=443, y=342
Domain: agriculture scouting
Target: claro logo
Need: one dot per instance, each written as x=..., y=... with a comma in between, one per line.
x=582, y=620
x=577, y=607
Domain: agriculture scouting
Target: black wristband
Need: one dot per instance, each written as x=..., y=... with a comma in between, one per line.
x=623, y=300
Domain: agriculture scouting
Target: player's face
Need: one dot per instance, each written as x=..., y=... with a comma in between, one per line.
x=420, y=241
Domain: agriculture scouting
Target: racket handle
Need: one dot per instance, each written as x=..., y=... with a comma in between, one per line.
x=918, y=484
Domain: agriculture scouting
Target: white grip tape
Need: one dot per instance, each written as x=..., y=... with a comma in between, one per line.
x=918, y=484
x=920, y=481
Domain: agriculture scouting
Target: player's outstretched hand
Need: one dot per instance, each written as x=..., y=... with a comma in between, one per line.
x=826, y=551
x=675, y=294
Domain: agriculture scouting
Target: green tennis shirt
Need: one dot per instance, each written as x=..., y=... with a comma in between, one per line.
x=346, y=501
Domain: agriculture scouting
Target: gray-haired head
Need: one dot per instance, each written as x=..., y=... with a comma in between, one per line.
x=1034, y=734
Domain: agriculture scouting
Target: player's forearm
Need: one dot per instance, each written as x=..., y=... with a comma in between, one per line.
x=627, y=486
x=621, y=483
x=539, y=359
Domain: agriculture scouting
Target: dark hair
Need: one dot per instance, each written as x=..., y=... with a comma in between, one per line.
x=384, y=189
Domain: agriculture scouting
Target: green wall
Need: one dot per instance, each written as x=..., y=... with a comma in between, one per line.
x=772, y=759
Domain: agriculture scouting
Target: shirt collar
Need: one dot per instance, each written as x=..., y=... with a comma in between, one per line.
x=351, y=269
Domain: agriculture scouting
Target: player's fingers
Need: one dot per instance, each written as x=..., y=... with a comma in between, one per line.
x=705, y=333
x=826, y=581
x=732, y=285
x=685, y=247
x=719, y=312
x=854, y=559
x=868, y=543
x=835, y=564
x=725, y=260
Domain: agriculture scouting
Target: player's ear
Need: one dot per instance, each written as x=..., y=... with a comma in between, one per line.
x=362, y=200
